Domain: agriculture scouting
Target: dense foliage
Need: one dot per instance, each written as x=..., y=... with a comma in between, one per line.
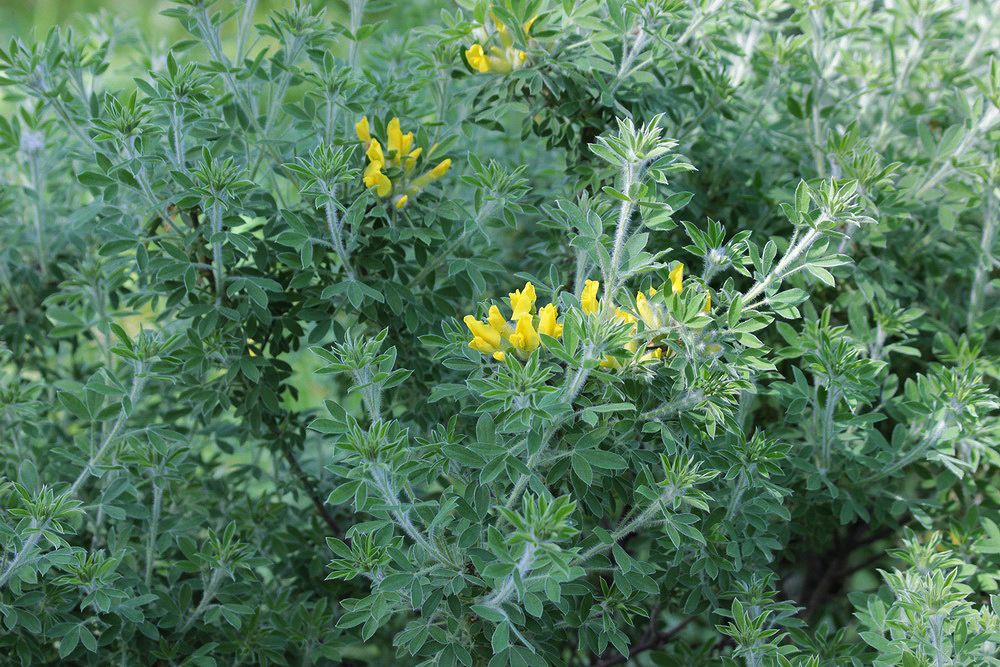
x=524, y=332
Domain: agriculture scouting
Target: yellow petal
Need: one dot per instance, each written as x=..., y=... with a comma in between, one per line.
x=708, y=302
x=497, y=322
x=362, y=129
x=410, y=161
x=525, y=338
x=483, y=332
x=395, y=138
x=480, y=345
x=646, y=311
x=547, y=321
x=588, y=299
x=499, y=355
x=429, y=177
x=376, y=179
x=401, y=201
x=624, y=316
x=677, y=278
x=522, y=302
x=375, y=154
x=477, y=58
x=441, y=169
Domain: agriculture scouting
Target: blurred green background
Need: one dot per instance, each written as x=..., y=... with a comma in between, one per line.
x=20, y=17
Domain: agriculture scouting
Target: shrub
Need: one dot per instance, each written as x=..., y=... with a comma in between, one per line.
x=520, y=332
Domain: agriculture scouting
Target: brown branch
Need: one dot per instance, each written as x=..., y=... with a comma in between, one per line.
x=652, y=640
x=838, y=567
x=312, y=492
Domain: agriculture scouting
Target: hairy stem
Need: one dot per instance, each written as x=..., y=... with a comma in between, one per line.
x=336, y=229
x=138, y=380
x=524, y=564
x=779, y=272
x=154, y=529
x=208, y=595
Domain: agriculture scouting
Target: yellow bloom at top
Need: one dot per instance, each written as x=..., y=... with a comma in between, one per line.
x=522, y=302
x=677, y=278
x=588, y=299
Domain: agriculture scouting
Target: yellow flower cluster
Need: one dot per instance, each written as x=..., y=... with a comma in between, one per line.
x=402, y=156
x=497, y=336
x=651, y=314
x=500, y=59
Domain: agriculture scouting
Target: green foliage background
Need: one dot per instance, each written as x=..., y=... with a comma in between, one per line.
x=241, y=419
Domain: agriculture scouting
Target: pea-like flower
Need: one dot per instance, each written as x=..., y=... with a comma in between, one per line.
x=497, y=337
x=652, y=315
x=401, y=157
x=588, y=299
x=500, y=58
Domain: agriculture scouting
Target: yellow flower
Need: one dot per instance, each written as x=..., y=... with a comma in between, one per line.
x=677, y=278
x=429, y=177
x=522, y=302
x=401, y=201
x=363, y=130
x=398, y=143
x=652, y=355
x=477, y=58
x=708, y=302
x=480, y=345
x=647, y=312
x=625, y=316
x=441, y=168
x=485, y=338
x=375, y=155
x=524, y=339
x=376, y=179
x=498, y=323
x=610, y=362
x=410, y=161
x=547, y=321
x=589, y=297
x=496, y=336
